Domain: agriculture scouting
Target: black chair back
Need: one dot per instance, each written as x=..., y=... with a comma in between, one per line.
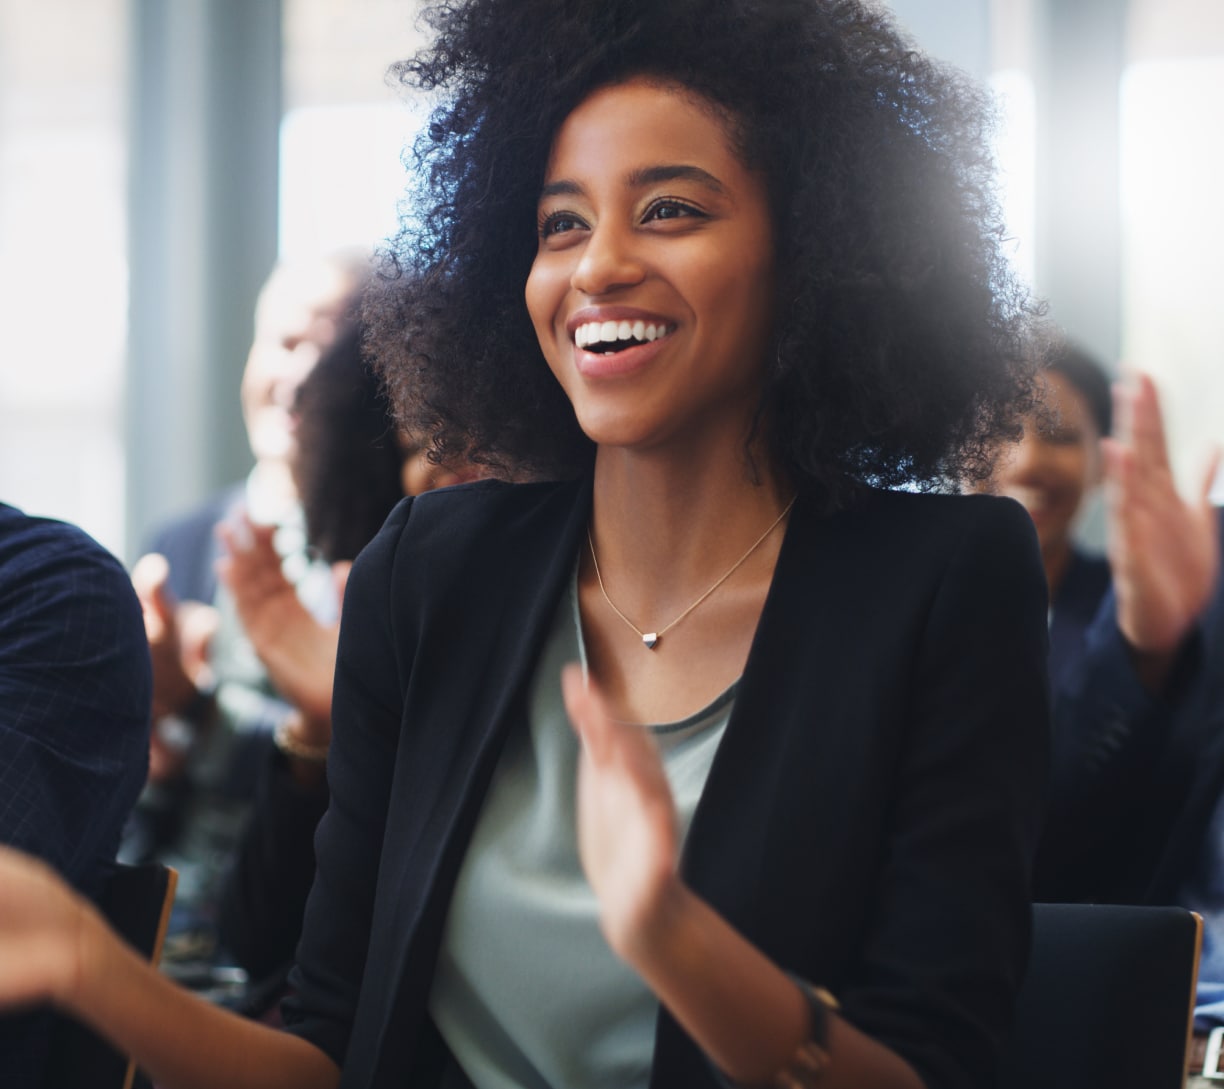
x=1108, y=1000
x=136, y=901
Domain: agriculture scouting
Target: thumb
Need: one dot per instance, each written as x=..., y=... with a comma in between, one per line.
x=587, y=711
x=150, y=578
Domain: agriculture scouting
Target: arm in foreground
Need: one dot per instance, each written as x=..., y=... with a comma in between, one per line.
x=740, y=1007
x=931, y=996
x=56, y=949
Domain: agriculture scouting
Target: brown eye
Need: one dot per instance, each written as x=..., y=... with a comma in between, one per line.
x=671, y=209
x=559, y=223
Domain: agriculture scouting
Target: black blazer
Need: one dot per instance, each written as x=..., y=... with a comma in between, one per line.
x=868, y=821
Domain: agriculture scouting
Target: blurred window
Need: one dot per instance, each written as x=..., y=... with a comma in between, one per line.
x=346, y=126
x=1172, y=132
x=63, y=269
x=1016, y=154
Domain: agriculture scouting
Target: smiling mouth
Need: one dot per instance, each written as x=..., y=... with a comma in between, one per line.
x=605, y=337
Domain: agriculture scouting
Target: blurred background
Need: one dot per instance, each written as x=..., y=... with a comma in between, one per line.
x=157, y=156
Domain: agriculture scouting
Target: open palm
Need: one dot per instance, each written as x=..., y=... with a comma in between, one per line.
x=626, y=816
x=1164, y=551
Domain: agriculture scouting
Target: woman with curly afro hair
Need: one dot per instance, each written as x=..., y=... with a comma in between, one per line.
x=710, y=750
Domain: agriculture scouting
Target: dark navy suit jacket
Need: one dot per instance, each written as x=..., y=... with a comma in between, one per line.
x=75, y=687
x=868, y=821
x=1136, y=778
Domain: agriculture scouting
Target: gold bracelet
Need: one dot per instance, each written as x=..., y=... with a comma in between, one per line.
x=283, y=737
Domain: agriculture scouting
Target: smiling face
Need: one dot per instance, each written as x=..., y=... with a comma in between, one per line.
x=651, y=291
x=1054, y=466
x=296, y=320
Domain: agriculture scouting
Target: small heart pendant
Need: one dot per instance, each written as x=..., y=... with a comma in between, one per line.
x=650, y=640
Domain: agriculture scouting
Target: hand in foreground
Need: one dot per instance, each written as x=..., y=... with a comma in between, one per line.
x=1164, y=551
x=41, y=925
x=626, y=819
x=298, y=652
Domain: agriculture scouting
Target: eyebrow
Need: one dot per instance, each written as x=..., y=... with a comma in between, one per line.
x=647, y=175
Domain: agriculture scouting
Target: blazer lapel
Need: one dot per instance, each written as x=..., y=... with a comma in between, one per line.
x=469, y=690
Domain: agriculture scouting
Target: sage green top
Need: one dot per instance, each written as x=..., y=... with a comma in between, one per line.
x=527, y=993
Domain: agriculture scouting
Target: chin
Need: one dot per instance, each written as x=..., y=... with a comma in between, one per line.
x=611, y=428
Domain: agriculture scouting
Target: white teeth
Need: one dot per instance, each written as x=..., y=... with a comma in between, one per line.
x=608, y=332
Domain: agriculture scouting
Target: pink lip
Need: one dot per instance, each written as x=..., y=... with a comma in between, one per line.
x=616, y=364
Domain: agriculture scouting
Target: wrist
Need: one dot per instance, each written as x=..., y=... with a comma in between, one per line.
x=302, y=738
x=91, y=950
x=656, y=933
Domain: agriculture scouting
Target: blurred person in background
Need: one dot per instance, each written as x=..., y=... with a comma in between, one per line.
x=1054, y=472
x=214, y=707
x=1136, y=806
x=351, y=466
x=1126, y=629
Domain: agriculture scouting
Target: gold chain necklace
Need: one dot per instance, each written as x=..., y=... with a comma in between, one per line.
x=650, y=639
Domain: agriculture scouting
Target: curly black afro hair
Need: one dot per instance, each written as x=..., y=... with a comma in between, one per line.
x=898, y=355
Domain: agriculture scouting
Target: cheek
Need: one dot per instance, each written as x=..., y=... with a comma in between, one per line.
x=543, y=299
x=746, y=294
x=1075, y=472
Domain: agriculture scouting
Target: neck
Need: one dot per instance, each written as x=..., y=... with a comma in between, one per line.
x=664, y=530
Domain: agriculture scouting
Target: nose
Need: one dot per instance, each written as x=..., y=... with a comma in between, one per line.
x=610, y=260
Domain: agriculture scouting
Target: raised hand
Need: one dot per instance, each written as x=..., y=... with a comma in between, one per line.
x=1164, y=550
x=178, y=636
x=626, y=819
x=298, y=652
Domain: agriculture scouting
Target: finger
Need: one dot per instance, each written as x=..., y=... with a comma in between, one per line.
x=1123, y=393
x=150, y=579
x=228, y=535
x=587, y=712
x=1211, y=470
x=199, y=622
x=1118, y=461
x=263, y=539
x=236, y=531
x=1147, y=428
x=1120, y=507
